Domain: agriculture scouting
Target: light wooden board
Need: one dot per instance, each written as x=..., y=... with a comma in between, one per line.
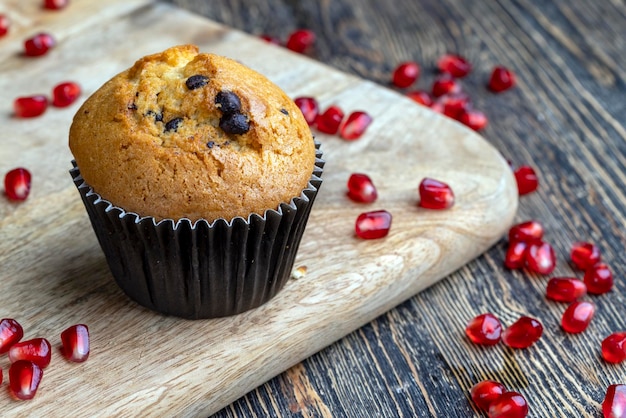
x=53, y=274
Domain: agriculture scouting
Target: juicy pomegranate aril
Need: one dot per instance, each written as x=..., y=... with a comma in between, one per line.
x=540, y=258
x=585, y=255
x=64, y=94
x=474, y=119
x=361, y=188
x=445, y=84
x=75, y=340
x=509, y=405
x=515, y=257
x=501, y=79
x=529, y=231
x=355, y=125
x=38, y=45
x=435, y=194
x=522, y=333
x=24, y=379
x=37, y=350
x=5, y=23
x=577, y=317
x=526, y=179
x=405, y=74
x=300, y=40
x=10, y=333
x=420, y=97
x=55, y=4
x=484, y=329
x=373, y=225
x=614, y=347
x=614, y=404
x=486, y=392
x=455, y=65
x=329, y=121
x=565, y=289
x=599, y=279
x=309, y=108
x=30, y=106
x=17, y=184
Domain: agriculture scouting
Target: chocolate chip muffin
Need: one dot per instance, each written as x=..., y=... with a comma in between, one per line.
x=198, y=175
x=188, y=135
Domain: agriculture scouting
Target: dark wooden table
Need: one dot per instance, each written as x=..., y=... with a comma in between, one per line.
x=566, y=118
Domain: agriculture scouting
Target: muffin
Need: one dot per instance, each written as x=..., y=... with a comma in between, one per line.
x=198, y=175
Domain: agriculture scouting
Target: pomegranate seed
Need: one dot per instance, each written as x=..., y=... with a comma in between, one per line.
x=614, y=404
x=437, y=106
x=614, y=347
x=270, y=39
x=485, y=329
x=17, y=184
x=529, y=231
x=24, y=379
x=405, y=74
x=361, y=188
x=64, y=94
x=523, y=333
x=577, y=317
x=515, y=257
x=373, y=225
x=309, y=108
x=565, y=289
x=455, y=65
x=10, y=333
x=599, y=279
x=55, y=4
x=37, y=350
x=540, y=258
x=329, y=121
x=445, y=84
x=501, y=79
x=585, y=255
x=5, y=23
x=435, y=194
x=38, y=44
x=75, y=340
x=30, y=107
x=420, y=97
x=300, y=40
x=474, y=119
x=509, y=405
x=455, y=104
x=526, y=178
x=486, y=392
x=355, y=125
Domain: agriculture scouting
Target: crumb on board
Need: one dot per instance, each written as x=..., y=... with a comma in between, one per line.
x=298, y=272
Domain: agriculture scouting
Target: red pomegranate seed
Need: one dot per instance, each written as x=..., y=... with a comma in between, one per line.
x=38, y=44
x=455, y=65
x=526, y=178
x=55, y=4
x=17, y=184
x=405, y=74
x=355, y=125
x=540, y=258
x=585, y=255
x=270, y=39
x=435, y=194
x=523, y=333
x=361, y=188
x=577, y=317
x=420, y=97
x=599, y=279
x=373, y=225
x=309, y=108
x=565, y=289
x=501, y=79
x=437, y=106
x=30, y=106
x=474, y=119
x=529, y=231
x=5, y=23
x=10, y=333
x=614, y=404
x=455, y=104
x=75, y=340
x=515, y=257
x=445, y=84
x=24, y=379
x=301, y=40
x=329, y=121
x=614, y=347
x=64, y=94
x=485, y=392
x=485, y=329
x=509, y=405
x=37, y=350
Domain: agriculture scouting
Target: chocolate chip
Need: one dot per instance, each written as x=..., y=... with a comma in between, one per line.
x=158, y=117
x=173, y=124
x=196, y=81
x=228, y=102
x=284, y=112
x=234, y=123
x=210, y=144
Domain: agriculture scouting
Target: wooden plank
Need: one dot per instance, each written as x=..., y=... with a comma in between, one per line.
x=53, y=273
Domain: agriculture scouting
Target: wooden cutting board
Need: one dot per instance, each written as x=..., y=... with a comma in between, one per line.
x=53, y=274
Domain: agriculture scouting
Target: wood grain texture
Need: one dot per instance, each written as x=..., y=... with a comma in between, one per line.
x=566, y=118
x=142, y=364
